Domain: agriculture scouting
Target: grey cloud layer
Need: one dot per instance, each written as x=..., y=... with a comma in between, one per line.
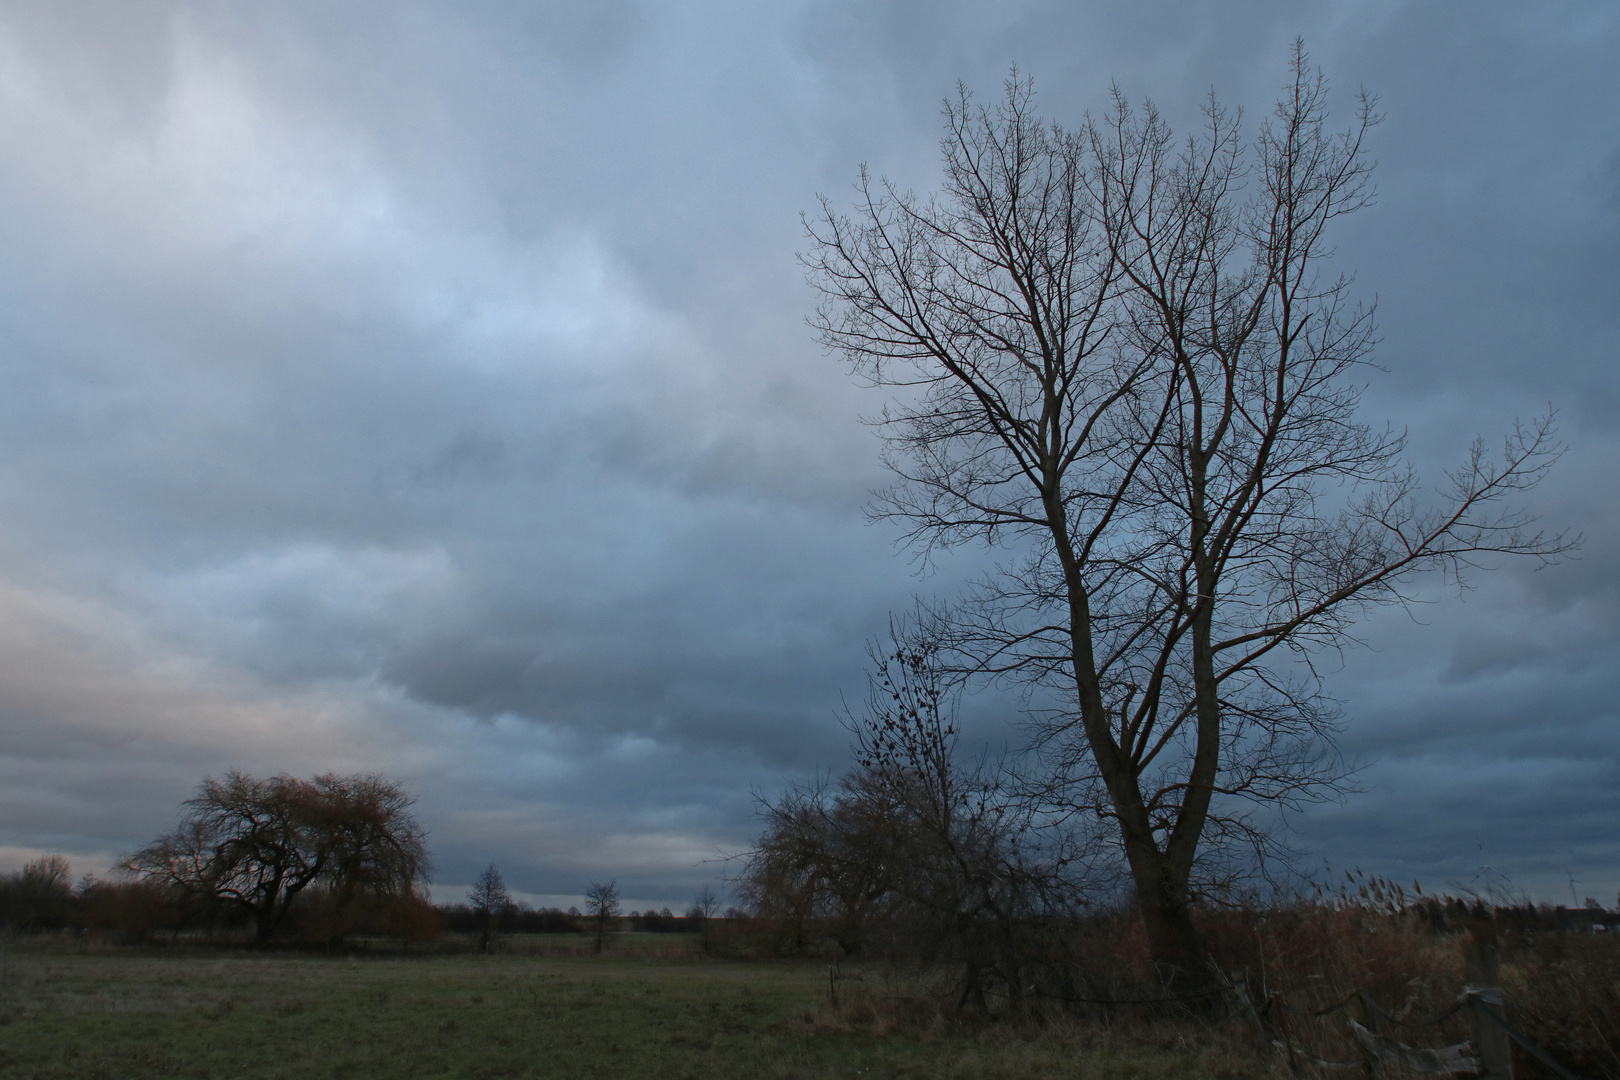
x=425, y=387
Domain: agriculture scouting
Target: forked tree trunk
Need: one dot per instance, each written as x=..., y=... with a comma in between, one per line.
x=1161, y=877
x=1164, y=900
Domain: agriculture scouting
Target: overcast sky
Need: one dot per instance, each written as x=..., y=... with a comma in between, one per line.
x=424, y=387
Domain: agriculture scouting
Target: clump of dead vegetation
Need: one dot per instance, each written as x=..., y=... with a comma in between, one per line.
x=1299, y=975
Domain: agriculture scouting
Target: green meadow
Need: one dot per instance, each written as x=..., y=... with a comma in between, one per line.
x=244, y=1016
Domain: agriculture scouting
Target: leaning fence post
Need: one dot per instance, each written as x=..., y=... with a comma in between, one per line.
x=1484, y=992
x=1245, y=1004
x=1369, y=1020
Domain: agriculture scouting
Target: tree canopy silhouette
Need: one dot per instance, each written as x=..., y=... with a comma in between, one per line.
x=1126, y=362
x=254, y=846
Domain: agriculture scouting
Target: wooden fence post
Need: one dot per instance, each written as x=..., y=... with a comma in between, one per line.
x=1369, y=1020
x=1245, y=1004
x=1484, y=992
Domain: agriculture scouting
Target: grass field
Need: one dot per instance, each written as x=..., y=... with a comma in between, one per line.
x=237, y=1015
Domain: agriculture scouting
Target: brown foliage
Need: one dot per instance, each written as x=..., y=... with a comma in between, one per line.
x=130, y=910
x=1561, y=988
x=39, y=896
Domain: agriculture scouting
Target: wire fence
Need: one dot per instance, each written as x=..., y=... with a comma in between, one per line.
x=1486, y=1054
x=1277, y=1023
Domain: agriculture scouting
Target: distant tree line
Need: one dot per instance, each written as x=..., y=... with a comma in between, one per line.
x=316, y=859
x=43, y=898
x=490, y=910
x=311, y=861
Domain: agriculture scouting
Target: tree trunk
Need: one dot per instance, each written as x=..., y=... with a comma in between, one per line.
x=1173, y=940
x=1160, y=877
x=1162, y=895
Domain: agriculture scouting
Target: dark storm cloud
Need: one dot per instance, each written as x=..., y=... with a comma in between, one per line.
x=424, y=387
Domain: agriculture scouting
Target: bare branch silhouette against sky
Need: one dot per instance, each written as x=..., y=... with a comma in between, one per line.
x=425, y=389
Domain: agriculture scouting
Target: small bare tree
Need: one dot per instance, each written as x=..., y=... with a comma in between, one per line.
x=705, y=904
x=602, y=906
x=826, y=865
x=1124, y=364
x=972, y=870
x=488, y=898
x=919, y=852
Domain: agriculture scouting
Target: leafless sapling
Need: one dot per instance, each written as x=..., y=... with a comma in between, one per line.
x=602, y=906
x=488, y=899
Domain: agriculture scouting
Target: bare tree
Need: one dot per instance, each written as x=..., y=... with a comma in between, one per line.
x=827, y=865
x=920, y=852
x=1124, y=364
x=972, y=871
x=488, y=898
x=256, y=845
x=602, y=906
x=705, y=904
x=375, y=850
x=242, y=843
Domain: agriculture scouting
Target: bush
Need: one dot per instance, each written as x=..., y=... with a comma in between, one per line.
x=132, y=911
x=39, y=897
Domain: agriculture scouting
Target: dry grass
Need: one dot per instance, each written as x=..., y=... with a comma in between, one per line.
x=1561, y=989
x=1564, y=992
x=1044, y=1041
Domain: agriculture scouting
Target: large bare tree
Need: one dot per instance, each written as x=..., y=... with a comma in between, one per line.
x=1124, y=361
x=255, y=846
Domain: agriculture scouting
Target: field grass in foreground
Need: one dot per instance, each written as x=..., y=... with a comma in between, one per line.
x=124, y=1015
